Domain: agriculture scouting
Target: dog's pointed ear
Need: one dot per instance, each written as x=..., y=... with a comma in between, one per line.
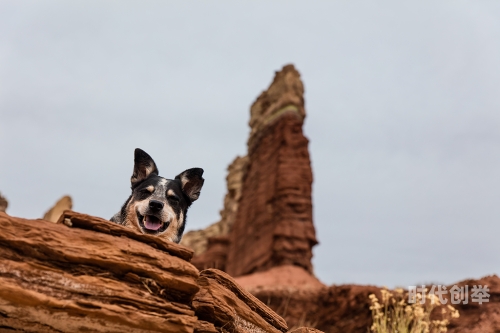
x=144, y=166
x=192, y=182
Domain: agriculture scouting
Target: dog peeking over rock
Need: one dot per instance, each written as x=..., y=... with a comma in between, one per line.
x=158, y=206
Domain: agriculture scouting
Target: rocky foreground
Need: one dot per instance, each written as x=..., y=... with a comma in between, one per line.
x=86, y=274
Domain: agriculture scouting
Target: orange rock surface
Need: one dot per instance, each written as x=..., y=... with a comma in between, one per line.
x=86, y=274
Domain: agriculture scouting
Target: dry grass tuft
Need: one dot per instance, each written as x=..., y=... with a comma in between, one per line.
x=394, y=315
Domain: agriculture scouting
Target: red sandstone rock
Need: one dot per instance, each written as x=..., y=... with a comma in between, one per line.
x=273, y=224
x=280, y=277
x=198, y=240
x=87, y=222
x=55, y=278
x=475, y=318
x=284, y=95
x=215, y=256
x=231, y=308
x=86, y=274
x=204, y=327
x=305, y=330
x=268, y=211
x=330, y=309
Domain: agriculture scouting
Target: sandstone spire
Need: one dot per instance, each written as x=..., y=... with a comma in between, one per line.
x=285, y=95
x=273, y=224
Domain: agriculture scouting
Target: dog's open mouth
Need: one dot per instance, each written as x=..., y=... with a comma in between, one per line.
x=151, y=224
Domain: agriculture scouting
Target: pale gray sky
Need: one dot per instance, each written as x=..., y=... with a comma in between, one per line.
x=403, y=117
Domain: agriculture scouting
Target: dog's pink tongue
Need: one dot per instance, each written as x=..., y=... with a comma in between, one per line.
x=152, y=223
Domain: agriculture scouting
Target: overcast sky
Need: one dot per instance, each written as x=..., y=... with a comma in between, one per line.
x=402, y=105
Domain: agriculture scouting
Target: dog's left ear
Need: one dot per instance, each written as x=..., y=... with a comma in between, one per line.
x=143, y=166
x=192, y=182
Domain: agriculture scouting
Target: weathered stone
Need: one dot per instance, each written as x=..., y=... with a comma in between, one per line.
x=273, y=224
x=3, y=203
x=284, y=95
x=227, y=305
x=86, y=274
x=305, y=330
x=215, y=256
x=198, y=239
x=55, y=278
x=267, y=215
x=53, y=214
x=87, y=222
x=475, y=317
x=280, y=277
x=205, y=327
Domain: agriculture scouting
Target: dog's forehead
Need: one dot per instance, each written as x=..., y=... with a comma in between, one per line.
x=160, y=182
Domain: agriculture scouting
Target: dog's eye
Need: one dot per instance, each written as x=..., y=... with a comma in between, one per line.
x=173, y=198
x=144, y=193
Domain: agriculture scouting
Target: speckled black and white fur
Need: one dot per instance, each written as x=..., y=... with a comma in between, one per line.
x=158, y=206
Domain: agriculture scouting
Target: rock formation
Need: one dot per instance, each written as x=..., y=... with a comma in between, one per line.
x=53, y=214
x=199, y=239
x=268, y=206
x=273, y=224
x=3, y=203
x=86, y=274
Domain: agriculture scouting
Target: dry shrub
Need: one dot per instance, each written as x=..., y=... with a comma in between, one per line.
x=394, y=315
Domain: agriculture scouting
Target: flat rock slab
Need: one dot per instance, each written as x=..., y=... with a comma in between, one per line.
x=88, y=222
x=94, y=276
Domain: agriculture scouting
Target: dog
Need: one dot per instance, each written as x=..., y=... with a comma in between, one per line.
x=158, y=206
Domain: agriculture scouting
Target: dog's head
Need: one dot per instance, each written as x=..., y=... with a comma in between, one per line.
x=158, y=206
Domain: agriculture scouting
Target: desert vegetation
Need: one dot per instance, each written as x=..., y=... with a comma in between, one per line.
x=393, y=314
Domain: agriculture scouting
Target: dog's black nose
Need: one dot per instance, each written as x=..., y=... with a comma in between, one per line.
x=155, y=205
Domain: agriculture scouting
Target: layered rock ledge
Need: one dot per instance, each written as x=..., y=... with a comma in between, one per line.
x=86, y=274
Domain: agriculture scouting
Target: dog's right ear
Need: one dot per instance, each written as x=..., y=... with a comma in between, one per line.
x=143, y=167
x=192, y=182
